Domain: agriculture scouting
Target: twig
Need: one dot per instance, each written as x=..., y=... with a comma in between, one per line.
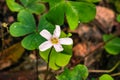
x=105, y=71
x=2, y=38
x=116, y=74
x=101, y=45
x=97, y=47
x=3, y=25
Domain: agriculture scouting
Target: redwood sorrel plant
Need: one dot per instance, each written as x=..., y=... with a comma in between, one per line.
x=45, y=36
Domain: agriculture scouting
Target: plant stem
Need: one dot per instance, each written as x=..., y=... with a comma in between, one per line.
x=37, y=63
x=116, y=74
x=48, y=64
x=106, y=71
x=2, y=38
x=49, y=58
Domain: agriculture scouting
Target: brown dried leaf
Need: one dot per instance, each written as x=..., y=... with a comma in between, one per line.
x=88, y=32
x=105, y=16
x=80, y=50
x=19, y=75
x=11, y=55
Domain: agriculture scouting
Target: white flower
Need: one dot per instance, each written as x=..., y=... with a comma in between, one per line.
x=54, y=40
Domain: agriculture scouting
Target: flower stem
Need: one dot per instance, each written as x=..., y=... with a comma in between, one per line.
x=49, y=58
x=48, y=64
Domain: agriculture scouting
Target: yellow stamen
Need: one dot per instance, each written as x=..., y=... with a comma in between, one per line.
x=54, y=40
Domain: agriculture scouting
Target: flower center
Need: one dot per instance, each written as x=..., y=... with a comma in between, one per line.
x=54, y=40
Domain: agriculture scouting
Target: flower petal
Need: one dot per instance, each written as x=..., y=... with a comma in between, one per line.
x=66, y=41
x=45, y=45
x=57, y=31
x=46, y=34
x=58, y=47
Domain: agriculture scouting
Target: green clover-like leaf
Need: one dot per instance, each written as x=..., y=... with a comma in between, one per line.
x=118, y=18
x=32, y=41
x=79, y=11
x=53, y=3
x=58, y=12
x=112, y=46
x=105, y=77
x=75, y=12
x=33, y=5
x=13, y=5
x=57, y=60
x=70, y=11
x=79, y=72
x=25, y=25
x=92, y=1
x=44, y=24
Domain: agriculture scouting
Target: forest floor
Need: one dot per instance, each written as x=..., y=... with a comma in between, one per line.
x=16, y=63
